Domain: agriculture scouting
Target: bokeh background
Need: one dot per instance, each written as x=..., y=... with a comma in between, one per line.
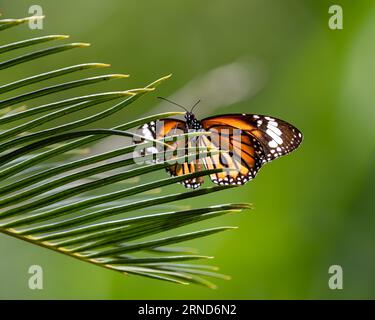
x=313, y=209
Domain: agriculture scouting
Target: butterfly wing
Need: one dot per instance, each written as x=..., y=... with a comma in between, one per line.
x=240, y=158
x=165, y=128
x=253, y=140
x=193, y=165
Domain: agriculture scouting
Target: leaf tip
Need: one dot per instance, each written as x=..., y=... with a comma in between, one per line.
x=211, y=286
x=229, y=228
x=102, y=65
x=62, y=36
x=165, y=77
x=120, y=75
x=81, y=44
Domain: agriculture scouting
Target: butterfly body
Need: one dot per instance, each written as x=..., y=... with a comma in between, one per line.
x=192, y=123
x=248, y=141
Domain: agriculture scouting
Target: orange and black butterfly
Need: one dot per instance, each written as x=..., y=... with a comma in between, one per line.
x=250, y=141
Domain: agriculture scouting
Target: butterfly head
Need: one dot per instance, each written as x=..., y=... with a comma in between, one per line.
x=192, y=122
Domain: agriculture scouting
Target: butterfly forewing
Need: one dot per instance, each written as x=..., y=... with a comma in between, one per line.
x=276, y=136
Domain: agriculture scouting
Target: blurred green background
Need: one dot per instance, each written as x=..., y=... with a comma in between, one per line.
x=313, y=209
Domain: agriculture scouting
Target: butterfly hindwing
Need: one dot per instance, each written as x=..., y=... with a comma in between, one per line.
x=194, y=165
x=165, y=128
x=262, y=139
x=240, y=155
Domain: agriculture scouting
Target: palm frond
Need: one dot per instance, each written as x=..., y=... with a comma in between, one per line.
x=57, y=202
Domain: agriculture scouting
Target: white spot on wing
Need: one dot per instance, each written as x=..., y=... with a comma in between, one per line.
x=274, y=129
x=275, y=137
x=272, y=144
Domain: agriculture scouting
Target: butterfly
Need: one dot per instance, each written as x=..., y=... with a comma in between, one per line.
x=249, y=142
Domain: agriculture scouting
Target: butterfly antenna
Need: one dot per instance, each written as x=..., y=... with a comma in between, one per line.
x=195, y=105
x=173, y=103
